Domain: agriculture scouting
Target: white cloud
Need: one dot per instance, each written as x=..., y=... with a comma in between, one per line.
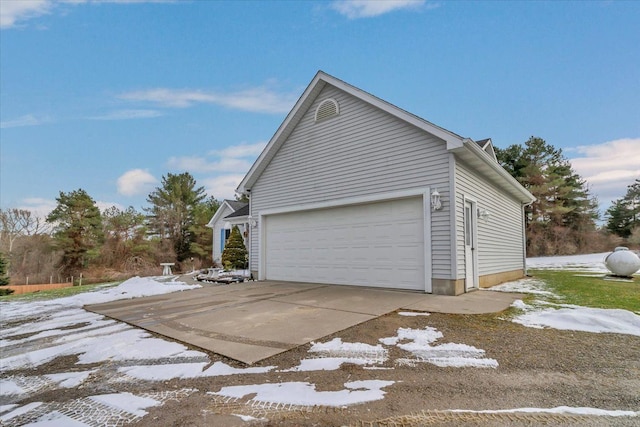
x=242, y=150
x=236, y=158
x=258, y=100
x=13, y=12
x=354, y=9
x=39, y=207
x=128, y=115
x=26, y=120
x=199, y=164
x=609, y=167
x=223, y=186
x=135, y=182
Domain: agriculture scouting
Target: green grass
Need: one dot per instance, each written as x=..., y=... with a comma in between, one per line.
x=56, y=293
x=591, y=291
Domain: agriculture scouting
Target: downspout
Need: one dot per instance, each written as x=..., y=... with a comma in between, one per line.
x=524, y=236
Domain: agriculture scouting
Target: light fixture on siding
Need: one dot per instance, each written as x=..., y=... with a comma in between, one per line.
x=436, y=204
x=227, y=225
x=252, y=221
x=483, y=214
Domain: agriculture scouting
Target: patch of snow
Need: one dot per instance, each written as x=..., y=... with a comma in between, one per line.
x=20, y=410
x=305, y=394
x=70, y=379
x=585, y=319
x=248, y=418
x=557, y=410
x=444, y=355
x=127, y=402
x=187, y=370
x=56, y=419
x=520, y=304
x=6, y=408
x=332, y=354
x=325, y=364
x=421, y=336
x=9, y=387
x=413, y=313
x=525, y=286
x=590, y=262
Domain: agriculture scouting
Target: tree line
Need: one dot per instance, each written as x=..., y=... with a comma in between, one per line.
x=77, y=238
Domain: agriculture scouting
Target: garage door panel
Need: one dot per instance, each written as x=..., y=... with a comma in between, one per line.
x=379, y=244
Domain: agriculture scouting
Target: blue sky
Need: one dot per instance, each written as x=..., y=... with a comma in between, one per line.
x=109, y=96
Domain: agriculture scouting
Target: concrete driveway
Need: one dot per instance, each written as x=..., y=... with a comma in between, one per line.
x=252, y=321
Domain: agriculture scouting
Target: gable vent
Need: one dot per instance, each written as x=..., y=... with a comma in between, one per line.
x=327, y=109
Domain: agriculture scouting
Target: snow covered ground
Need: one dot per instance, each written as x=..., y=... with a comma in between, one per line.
x=35, y=333
x=593, y=263
x=541, y=313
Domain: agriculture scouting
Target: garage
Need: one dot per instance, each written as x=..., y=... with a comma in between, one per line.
x=375, y=244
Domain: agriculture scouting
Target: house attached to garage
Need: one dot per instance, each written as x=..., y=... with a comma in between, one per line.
x=352, y=190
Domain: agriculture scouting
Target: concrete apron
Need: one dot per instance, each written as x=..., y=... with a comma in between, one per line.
x=253, y=321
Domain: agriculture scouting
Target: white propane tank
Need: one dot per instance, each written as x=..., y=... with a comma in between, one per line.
x=622, y=262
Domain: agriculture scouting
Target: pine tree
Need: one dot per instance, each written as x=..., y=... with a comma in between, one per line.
x=172, y=211
x=564, y=213
x=77, y=229
x=624, y=214
x=4, y=278
x=235, y=253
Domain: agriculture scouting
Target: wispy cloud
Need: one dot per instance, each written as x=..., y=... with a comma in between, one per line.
x=222, y=169
x=222, y=186
x=15, y=12
x=609, y=167
x=39, y=207
x=26, y=120
x=236, y=158
x=136, y=182
x=354, y=9
x=128, y=115
x=259, y=100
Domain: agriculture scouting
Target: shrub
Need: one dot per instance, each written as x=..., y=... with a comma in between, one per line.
x=235, y=254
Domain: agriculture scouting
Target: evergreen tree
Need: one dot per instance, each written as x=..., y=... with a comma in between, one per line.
x=77, y=229
x=4, y=278
x=235, y=254
x=172, y=210
x=202, y=243
x=564, y=213
x=624, y=214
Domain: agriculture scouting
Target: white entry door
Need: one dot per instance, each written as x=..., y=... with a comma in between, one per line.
x=376, y=244
x=470, y=245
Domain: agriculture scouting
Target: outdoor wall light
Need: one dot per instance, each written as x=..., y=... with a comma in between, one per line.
x=227, y=225
x=436, y=204
x=483, y=214
x=252, y=221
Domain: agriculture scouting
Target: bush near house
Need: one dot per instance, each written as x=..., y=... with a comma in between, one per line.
x=235, y=255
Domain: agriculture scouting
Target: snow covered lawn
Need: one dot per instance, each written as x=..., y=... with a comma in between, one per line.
x=541, y=313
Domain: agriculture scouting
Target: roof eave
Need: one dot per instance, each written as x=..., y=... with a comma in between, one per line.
x=511, y=184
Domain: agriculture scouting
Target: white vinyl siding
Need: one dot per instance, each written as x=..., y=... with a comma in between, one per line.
x=217, y=230
x=500, y=237
x=362, y=151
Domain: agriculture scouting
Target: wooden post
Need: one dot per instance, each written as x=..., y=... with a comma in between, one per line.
x=80, y=282
x=50, y=279
x=27, y=280
x=72, y=281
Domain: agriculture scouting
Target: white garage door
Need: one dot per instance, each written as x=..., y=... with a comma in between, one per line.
x=378, y=244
